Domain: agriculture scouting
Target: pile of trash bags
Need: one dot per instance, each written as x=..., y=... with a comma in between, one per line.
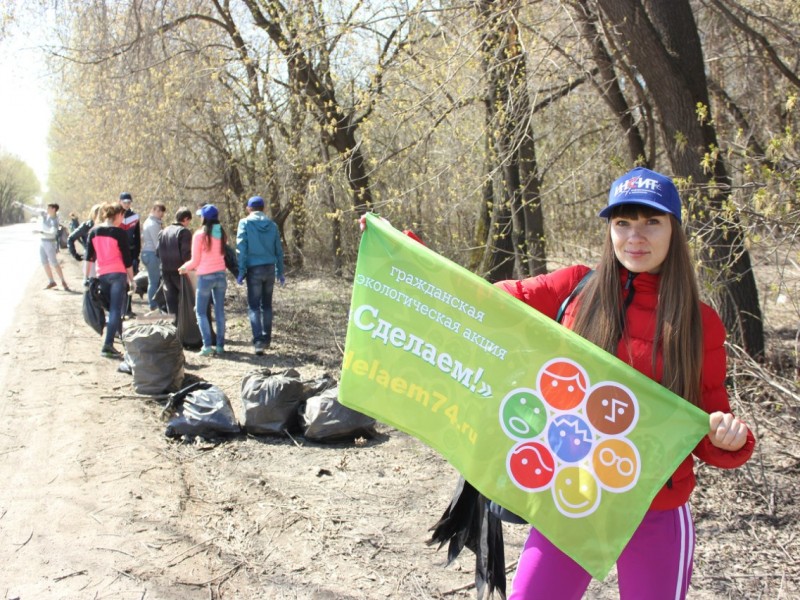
x=272, y=404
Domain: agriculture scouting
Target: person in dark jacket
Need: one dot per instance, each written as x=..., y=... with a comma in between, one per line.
x=131, y=226
x=81, y=233
x=258, y=243
x=174, y=249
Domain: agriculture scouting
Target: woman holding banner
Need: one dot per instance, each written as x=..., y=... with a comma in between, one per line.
x=642, y=304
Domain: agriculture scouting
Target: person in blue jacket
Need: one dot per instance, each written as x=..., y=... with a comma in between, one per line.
x=260, y=255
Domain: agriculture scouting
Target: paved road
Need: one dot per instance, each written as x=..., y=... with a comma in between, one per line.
x=19, y=261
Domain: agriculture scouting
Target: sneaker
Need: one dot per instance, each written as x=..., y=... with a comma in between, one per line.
x=259, y=349
x=65, y=286
x=110, y=352
x=220, y=350
x=50, y=285
x=206, y=351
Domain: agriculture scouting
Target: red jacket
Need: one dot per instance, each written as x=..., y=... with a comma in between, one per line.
x=546, y=293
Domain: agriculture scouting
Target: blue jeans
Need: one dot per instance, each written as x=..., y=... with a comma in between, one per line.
x=213, y=284
x=114, y=287
x=153, y=265
x=260, y=283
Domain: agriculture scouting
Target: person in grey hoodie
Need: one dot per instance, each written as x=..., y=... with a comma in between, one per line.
x=150, y=231
x=260, y=255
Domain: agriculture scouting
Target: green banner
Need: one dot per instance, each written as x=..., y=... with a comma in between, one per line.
x=531, y=414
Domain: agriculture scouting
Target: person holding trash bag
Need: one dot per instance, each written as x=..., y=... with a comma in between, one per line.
x=107, y=246
x=174, y=249
x=208, y=259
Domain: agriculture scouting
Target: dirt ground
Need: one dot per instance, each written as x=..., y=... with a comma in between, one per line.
x=96, y=502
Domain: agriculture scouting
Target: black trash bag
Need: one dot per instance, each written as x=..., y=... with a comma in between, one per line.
x=200, y=409
x=270, y=402
x=327, y=420
x=156, y=357
x=63, y=237
x=140, y=284
x=188, y=329
x=94, y=306
x=467, y=521
x=231, y=262
x=316, y=387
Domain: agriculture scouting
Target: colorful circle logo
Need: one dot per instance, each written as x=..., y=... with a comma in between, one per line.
x=571, y=437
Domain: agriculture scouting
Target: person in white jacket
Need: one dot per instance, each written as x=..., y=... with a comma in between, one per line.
x=49, y=242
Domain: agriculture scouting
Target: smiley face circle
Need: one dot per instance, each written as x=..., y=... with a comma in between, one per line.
x=575, y=492
x=562, y=384
x=531, y=466
x=522, y=414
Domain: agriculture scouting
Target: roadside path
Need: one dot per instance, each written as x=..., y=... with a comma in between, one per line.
x=85, y=493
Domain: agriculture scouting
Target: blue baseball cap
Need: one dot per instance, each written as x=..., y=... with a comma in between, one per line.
x=209, y=211
x=645, y=187
x=255, y=202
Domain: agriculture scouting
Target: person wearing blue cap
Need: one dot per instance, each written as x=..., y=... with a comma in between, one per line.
x=642, y=304
x=260, y=255
x=208, y=259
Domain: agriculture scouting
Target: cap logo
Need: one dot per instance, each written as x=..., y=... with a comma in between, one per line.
x=638, y=183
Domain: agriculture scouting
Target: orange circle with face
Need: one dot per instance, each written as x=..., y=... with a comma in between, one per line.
x=562, y=384
x=616, y=464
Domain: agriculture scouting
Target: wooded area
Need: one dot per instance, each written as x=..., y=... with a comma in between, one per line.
x=493, y=128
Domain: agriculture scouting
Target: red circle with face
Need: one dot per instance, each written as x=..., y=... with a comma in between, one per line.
x=562, y=384
x=531, y=465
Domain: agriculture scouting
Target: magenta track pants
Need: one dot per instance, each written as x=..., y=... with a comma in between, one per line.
x=655, y=565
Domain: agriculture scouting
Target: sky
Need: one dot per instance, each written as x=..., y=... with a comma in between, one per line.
x=25, y=103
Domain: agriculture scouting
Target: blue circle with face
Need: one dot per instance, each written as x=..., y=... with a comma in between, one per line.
x=522, y=414
x=570, y=438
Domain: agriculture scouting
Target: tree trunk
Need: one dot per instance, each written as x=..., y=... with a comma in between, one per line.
x=336, y=217
x=517, y=236
x=662, y=41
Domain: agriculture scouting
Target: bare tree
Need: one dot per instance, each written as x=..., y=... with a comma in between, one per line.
x=662, y=42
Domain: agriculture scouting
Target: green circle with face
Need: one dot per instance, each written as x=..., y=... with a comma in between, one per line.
x=523, y=415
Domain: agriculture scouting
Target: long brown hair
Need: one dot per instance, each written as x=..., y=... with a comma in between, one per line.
x=208, y=227
x=679, y=326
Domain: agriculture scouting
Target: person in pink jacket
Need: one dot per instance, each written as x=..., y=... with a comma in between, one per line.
x=208, y=259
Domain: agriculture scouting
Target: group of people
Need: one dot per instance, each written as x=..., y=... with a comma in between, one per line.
x=115, y=241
